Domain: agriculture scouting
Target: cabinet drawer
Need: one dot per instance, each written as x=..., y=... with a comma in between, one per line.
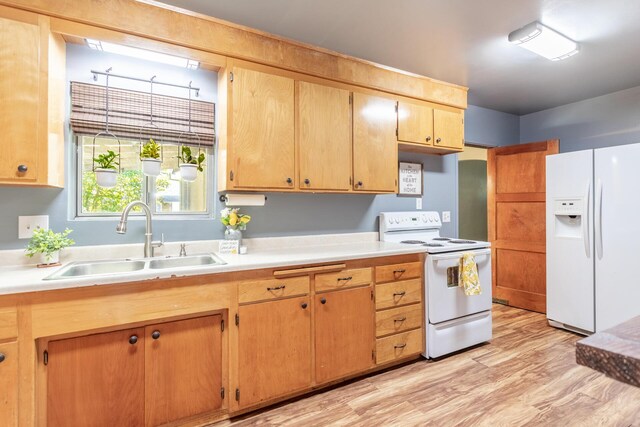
x=343, y=279
x=395, y=294
x=9, y=384
x=389, y=273
x=398, y=319
x=399, y=346
x=261, y=290
x=8, y=323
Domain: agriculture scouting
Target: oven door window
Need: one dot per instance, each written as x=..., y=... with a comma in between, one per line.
x=453, y=274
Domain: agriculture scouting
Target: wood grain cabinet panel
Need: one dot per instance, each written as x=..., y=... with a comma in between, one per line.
x=343, y=279
x=262, y=127
x=399, y=346
x=97, y=380
x=8, y=323
x=183, y=361
x=394, y=272
x=375, y=150
x=344, y=333
x=395, y=294
x=415, y=123
x=399, y=319
x=274, y=349
x=268, y=289
x=9, y=384
x=324, y=135
x=448, y=129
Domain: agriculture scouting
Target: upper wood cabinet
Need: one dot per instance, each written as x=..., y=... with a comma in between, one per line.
x=261, y=124
x=32, y=67
x=415, y=123
x=448, y=129
x=375, y=150
x=324, y=135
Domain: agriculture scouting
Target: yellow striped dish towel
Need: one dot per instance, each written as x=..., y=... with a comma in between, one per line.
x=468, y=275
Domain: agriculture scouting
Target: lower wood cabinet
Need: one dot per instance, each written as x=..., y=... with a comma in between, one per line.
x=344, y=331
x=9, y=384
x=274, y=349
x=143, y=376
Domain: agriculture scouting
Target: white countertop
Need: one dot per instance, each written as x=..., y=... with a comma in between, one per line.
x=28, y=278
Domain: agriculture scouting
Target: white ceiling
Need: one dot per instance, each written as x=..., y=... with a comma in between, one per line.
x=463, y=41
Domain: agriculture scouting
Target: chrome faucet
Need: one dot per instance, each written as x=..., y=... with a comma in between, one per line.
x=149, y=244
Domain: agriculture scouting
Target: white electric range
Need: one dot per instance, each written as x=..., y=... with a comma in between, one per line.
x=454, y=321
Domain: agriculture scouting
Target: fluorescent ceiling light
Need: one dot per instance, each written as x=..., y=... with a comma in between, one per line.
x=544, y=41
x=142, y=54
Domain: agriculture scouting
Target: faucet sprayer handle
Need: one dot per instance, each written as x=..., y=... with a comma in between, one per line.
x=157, y=244
x=183, y=249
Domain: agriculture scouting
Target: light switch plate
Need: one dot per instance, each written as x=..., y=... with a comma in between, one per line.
x=26, y=225
x=446, y=216
x=419, y=203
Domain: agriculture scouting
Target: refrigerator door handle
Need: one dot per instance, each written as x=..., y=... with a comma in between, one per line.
x=585, y=221
x=598, y=220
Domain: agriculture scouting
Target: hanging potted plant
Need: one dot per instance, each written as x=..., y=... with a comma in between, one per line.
x=150, y=156
x=189, y=165
x=106, y=172
x=48, y=245
x=235, y=222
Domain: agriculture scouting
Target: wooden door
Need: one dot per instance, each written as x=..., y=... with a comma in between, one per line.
x=415, y=123
x=183, y=362
x=274, y=349
x=516, y=211
x=262, y=128
x=344, y=325
x=19, y=99
x=375, y=149
x=324, y=137
x=448, y=129
x=9, y=384
x=96, y=380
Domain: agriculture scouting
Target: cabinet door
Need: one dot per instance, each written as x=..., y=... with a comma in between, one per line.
x=448, y=129
x=375, y=150
x=262, y=129
x=344, y=333
x=274, y=349
x=183, y=369
x=19, y=99
x=324, y=129
x=97, y=380
x=9, y=384
x=415, y=123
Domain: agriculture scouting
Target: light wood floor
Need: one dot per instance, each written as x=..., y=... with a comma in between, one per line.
x=527, y=376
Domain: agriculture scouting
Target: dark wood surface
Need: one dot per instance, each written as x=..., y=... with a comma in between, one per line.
x=614, y=352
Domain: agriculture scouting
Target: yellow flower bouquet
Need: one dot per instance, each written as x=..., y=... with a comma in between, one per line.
x=232, y=218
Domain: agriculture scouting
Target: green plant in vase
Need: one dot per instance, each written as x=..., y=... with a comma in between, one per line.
x=150, y=157
x=235, y=222
x=107, y=171
x=48, y=244
x=190, y=165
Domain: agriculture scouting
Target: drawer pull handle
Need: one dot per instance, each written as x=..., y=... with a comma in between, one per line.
x=397, y=346
x=399, y=271
x=277, y=288
x=402, y=319
x=399, y=294
x=133, y=339
x=344, y=279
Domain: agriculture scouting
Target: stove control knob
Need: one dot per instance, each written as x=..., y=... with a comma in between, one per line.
x=397, y=220
x=424, y=218
x=390, y=221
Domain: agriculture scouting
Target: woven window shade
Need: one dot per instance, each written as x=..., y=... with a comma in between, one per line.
x=130, y=115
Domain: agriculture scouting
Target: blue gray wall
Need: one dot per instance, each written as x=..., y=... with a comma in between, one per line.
x=607, y=120
x=284, y=214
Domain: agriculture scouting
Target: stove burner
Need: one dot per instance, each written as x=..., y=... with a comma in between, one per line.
x=433, y=245
x=444, y=239
x=413, y=242
x=462, y=241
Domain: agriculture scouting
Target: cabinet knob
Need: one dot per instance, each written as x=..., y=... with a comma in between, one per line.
x=155, y=335
x=307, y=181
x=2, y=357
x=22, y=168
x=303, y=305
x=133, y=339
x=359, y=184
x=323, y=300
x=428, y=139
x=438, y=140
x=289, y=180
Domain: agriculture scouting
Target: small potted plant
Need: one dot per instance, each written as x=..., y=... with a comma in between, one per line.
x=106, y=172
x=189, y=165
x=150, y=157
x=48, y=244
x=235, y=222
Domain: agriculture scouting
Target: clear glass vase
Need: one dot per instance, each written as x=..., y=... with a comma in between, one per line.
x=233, y=234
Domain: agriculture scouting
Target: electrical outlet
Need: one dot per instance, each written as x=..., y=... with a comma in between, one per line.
x=419, y=203
x=26, y=225
x=446, y=216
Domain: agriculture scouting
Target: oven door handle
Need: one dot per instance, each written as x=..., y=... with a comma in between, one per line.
x=479, y=255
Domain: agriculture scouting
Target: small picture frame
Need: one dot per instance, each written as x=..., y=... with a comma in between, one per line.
x=229, y=247
x=410, y=179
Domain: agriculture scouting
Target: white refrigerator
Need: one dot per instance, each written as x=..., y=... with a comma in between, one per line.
x=593, y=238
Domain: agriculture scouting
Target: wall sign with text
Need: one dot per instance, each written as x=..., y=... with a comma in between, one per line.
x=410, y=179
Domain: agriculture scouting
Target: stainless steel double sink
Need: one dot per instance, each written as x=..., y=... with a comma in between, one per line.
x=103, y=268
